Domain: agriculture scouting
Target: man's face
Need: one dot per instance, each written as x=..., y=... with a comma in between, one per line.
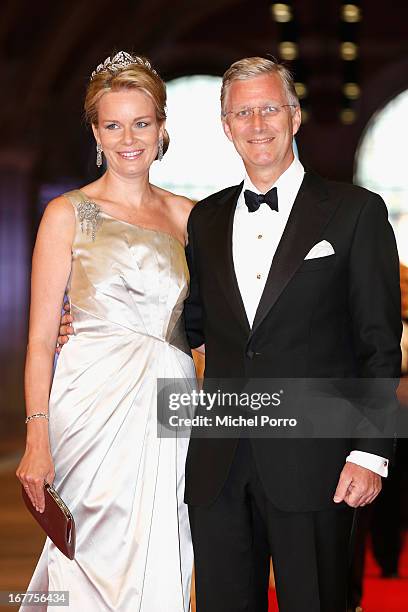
x=262, y=142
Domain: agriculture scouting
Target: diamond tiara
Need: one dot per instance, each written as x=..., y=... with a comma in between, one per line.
x=120, y=61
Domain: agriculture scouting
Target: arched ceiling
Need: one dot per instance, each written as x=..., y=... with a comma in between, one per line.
x=48, y=49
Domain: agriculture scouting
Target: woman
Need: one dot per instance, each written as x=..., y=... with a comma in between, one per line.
x=119, y=245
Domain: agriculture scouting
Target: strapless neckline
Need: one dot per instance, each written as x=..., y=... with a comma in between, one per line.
x=135, y=225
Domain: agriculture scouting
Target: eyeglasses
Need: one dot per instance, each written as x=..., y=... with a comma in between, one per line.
x=269, y=111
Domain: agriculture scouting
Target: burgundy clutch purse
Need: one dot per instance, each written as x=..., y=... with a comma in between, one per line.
x=56, y=520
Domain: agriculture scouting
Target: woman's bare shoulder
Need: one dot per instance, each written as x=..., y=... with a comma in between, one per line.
x=58, y=219
x=178, y=202
x=185, y=204
x=59, y=208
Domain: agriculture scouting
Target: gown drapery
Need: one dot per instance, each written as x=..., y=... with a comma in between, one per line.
x=123, y=483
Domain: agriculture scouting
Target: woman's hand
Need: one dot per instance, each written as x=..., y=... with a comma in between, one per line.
x=36, y=467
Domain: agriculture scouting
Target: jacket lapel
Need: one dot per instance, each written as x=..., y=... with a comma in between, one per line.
x=222, y=252
x=310, y=214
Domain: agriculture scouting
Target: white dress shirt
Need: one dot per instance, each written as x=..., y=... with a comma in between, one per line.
x=259, y=234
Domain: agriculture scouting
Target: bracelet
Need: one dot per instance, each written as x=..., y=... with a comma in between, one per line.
x=37, y=416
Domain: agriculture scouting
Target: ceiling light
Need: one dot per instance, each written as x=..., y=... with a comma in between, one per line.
x=288, y=50
x=351, y=90
x=350, y=13
x=348, y=51
x=301, y=90
x=282, y=13
x=348, y=116
x=305, y=115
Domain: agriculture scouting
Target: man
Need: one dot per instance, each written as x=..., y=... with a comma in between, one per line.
x=303, y=285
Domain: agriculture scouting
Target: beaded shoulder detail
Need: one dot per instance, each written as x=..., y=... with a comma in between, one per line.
x=88, y=215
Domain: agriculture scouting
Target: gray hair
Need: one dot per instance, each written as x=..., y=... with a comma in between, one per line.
x=251, y=67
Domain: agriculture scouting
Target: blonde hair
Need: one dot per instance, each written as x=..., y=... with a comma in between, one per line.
x=251, y=67
x=137, y=75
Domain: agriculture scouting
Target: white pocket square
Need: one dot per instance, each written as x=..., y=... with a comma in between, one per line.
x=321, y=249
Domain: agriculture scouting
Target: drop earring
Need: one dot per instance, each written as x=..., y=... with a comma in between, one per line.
x=98, y=154
x=160, y=152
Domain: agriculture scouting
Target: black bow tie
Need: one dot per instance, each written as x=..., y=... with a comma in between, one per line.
x=254, y=200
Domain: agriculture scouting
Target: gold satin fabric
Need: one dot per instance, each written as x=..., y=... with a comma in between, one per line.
x=123, y=484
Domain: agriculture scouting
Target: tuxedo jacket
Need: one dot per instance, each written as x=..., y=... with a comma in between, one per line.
x=330, y=317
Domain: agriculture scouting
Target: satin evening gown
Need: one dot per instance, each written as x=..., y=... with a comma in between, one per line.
x=123, y=483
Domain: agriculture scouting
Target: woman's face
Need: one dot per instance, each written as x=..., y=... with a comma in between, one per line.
x=128, y=131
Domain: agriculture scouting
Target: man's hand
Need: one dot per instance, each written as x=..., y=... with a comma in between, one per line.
x=357, y=486
x=65, y=329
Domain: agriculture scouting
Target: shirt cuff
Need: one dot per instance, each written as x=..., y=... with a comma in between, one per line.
x=375, y=463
